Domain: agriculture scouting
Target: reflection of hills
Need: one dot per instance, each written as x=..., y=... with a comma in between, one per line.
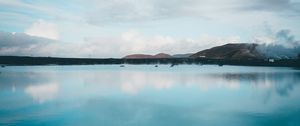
x=133, y=82
x=244, y=76
x=281, y=82
x=24, y=79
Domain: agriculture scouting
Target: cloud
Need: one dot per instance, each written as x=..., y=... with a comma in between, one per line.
x=22, y=44
x=115, y=12
x=99, y=28
x=272, y=5
x=133, y=41
x=103, y=11
x=282, y=37
x=132, y=10
x=114, y=16
x=44, y=29
x=285, y=38
x=120, y=45
x=279, y=44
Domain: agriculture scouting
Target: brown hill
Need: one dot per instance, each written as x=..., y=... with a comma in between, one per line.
x=162, y=55
x=145, y=56
x=230, y=51
x=137, y=56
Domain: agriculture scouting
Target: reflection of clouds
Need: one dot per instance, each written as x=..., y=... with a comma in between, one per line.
x=42, y=93
x=232, y=84
x=19, y=80
x=133, y=82
x=211, y=81
x=164, y=85
x=13, y=89
x=131, y=88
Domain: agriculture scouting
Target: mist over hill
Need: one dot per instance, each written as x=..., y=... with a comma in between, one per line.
x=233, y=51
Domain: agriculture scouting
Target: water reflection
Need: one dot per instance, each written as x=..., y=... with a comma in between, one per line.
x=13, y=89
x=42, y=92
x=144, y=95
x=39, y=85
x=282, y=83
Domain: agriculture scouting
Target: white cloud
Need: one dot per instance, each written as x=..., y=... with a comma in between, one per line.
x=264, y=40
x=152, y=16
x=108, y=11
x=133, y=41
x=44, y=29
x=120, y=45
x=129, y=42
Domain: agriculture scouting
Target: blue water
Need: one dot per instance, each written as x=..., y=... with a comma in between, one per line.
x=144, y=95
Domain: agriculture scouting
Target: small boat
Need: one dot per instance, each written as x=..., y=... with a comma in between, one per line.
x=122, y=66
x=156, y=65
x=2, y=66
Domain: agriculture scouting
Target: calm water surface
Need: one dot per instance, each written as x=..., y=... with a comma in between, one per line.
x=143, y=95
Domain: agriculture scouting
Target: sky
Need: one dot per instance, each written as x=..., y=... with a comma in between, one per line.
x=115, y=28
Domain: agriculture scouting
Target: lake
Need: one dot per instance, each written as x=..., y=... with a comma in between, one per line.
x=144, y=95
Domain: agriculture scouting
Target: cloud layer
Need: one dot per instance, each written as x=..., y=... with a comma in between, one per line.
x=128, y=42
x=132, y=10
x=281, y=43
x=113, y=28
x=44, y=29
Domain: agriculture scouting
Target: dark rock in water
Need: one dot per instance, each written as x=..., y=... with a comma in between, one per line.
x=122, y=66
x=156, y=65
x=231, y=51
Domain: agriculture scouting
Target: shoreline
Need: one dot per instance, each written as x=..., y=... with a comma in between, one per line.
x=32, y=61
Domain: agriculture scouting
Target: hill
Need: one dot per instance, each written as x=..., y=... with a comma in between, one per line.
x=231, y=51
x=145, y=56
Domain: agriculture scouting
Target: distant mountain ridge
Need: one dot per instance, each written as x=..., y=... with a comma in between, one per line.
x=231, y=51
x=146, y=56
x=227, y=51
